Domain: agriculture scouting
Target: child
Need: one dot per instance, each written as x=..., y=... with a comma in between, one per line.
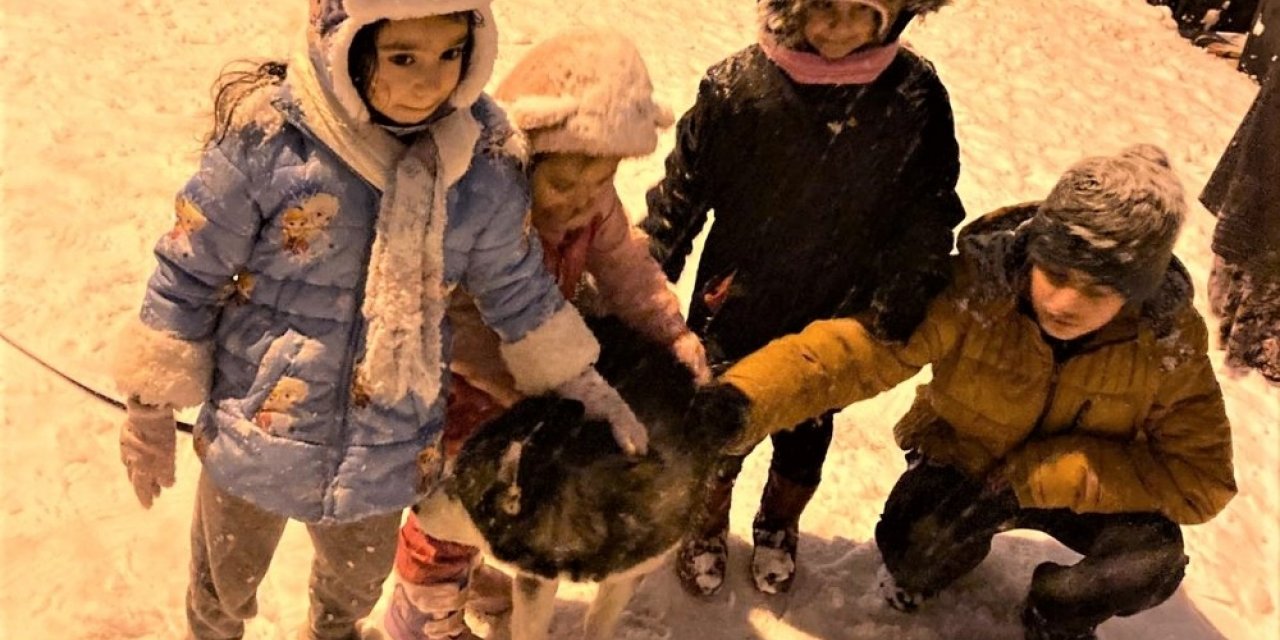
x=845, y=205
x=302, y=300
x=584, y=101
x=1071, y=394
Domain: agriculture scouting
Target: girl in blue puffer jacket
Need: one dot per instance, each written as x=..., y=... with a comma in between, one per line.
x=301, y=294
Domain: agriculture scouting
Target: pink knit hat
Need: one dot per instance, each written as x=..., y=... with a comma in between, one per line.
x=584, y=91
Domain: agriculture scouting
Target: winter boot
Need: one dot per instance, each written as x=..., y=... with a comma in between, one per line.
x=896, y=596
x=1036, y=627
x=704, y=551
x=427, y=612
x=776, y=533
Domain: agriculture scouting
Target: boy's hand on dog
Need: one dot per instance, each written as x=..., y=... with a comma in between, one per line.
x=719, y=411
x=601, y=401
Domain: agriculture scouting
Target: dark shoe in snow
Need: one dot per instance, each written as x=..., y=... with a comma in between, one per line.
x=1036, y=627
x=896, y=596
x=701, y=562
x=773, y=562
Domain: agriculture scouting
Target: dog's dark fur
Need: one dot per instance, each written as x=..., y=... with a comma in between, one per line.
x=568, y=503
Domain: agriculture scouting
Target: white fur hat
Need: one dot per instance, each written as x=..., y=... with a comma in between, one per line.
x=584, y=91
x=334, y=24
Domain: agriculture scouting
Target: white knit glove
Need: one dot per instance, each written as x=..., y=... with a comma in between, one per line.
x=689, y=351
x=601, y=401
x=148, y=446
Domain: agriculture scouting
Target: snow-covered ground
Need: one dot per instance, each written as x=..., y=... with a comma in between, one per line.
x=104, y=105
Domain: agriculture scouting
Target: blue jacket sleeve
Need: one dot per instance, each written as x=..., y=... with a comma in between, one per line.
x=505, y=274
x=217, y=224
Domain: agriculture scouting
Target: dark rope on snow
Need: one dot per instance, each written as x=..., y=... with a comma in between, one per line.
x=183, y=426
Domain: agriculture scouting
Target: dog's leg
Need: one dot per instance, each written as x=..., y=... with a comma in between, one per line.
x=533, y=603
x=611, y=598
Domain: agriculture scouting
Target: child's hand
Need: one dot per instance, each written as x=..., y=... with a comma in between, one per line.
x=148, y=445
x=600, y=400
x=689, y=351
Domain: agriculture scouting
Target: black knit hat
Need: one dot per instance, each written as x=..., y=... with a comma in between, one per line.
x=1115, y=218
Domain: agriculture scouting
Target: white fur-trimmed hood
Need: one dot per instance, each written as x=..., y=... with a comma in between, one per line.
x=334, y=24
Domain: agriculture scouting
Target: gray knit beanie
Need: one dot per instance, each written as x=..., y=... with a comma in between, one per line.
x=1115, y=218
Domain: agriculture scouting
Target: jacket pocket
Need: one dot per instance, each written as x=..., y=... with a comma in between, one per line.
x=274, y=390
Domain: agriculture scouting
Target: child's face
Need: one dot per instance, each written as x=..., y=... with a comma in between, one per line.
x=1069, y=304
x=835, y=29
x=418, y=65
x=564, y=186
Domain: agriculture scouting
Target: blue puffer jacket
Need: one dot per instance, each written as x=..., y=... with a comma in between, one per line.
x=268, y=260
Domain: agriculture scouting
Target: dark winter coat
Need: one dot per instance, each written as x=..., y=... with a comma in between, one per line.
x=828, y=200
x=1244, y=190
x=1263, y=46
x=1133, y=421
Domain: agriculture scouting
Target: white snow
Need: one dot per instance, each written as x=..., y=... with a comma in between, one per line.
x=104, y=107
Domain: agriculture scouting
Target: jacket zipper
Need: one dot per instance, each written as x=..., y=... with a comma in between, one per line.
x=348, y=364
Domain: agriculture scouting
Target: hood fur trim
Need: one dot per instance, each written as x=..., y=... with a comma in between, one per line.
x=334, y=24
x=993, y=249
x=781, y=19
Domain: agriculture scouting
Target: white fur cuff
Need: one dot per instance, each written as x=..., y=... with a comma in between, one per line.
x=159, y=368
x=554, y=353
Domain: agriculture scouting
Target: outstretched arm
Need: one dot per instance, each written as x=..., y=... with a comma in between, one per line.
x=678, y=205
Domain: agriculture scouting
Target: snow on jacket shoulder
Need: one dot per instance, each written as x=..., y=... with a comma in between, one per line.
x=265, y=270
x=1133, y=422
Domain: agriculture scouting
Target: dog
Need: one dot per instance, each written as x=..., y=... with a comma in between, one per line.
x=548, y=493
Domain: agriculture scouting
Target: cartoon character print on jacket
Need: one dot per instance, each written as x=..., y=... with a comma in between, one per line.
x=305, y=226
x=188, y=219
x=274, y=416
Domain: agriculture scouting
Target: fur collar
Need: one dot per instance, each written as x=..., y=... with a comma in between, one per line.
x=368, y=148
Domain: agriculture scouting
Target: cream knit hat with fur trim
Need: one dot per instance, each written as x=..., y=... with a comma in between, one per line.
x=584, y=91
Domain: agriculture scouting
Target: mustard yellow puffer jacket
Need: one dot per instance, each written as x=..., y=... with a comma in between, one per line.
x=1133, y=421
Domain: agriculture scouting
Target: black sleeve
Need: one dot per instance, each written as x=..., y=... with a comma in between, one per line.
x=916, y=270
x=678, y=205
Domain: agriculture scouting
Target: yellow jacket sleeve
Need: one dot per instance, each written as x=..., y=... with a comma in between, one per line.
x=832, y=364
x=1182, y=468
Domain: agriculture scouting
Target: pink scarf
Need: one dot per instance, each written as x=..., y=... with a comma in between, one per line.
x=862, y=67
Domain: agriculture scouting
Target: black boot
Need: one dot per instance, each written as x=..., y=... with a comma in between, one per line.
x=776, y=533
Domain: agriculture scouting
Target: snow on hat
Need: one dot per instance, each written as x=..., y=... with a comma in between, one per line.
x=1115, y=218
x=782, y=20
x=584, y=91
x=334, y=24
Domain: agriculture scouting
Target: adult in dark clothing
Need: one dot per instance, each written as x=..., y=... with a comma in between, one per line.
x=828, y=154
x=1244, y=192
x=1197, y=17
x=1263, y=46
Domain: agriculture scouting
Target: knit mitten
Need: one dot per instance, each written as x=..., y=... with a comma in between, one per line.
x=148, y=445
